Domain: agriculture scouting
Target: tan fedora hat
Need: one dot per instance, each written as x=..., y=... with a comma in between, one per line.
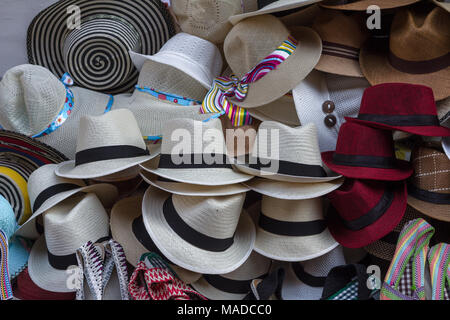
x=127, y=228
x=281, y=110
x=418, y=52
x=362, y=5
x=211, y=235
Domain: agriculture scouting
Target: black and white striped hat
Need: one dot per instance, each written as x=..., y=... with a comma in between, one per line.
x=95, y=51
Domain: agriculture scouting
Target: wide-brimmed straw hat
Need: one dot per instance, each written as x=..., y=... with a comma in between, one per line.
x=281, y=110
x=95, y=52
x=67, y=226
x=417, y=52
x=127, y=228
x=196, y=159
x=46, y=190
x=292, y=230
x=362, y=5
x=106, y=144
x=357, y=156
x=294, y=154
x=364, y=211
x=236, y=284
x=210, y=235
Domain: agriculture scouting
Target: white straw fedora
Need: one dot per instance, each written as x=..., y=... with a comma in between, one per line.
x=128, y=229
x=67, y=226
x=294, y=154
x=46, y=190
x=325, y=99
x=236, y=284
x=198, y=156
x=292, y=230
x=106, y=144
x=210, y=235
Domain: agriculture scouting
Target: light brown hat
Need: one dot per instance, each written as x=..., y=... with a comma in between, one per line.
x=445, y=4
x=342, y=37
x=362, y=5
x=281, y=110
x=418, y=52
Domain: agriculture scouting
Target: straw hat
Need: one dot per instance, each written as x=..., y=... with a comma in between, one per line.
x=198, y=158
x=281, y=110
x=417, y=52
x=429, y=186
x=210, y=235
x=106, y=144
x=67, y=226
x=292, y=230
x=362, y=5
x=236, y=284
x=294, y=154
x=305, y=280
x=96, y=53
x=46, y=190
x=254, y=39
x=342, y=37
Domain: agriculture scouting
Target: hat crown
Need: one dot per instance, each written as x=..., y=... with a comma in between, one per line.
x=8, y=222
x=255, y=266
x=321, y=266
x=30, y=99
x=216, y=217
x=73, y=222
x=292, y=210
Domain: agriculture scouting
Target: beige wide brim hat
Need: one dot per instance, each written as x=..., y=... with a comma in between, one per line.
x=187, y=255
x=362, y=5
x=186, y=189
x=340, y=66
x=437, y=211
x=281, y=110
x=123, y=214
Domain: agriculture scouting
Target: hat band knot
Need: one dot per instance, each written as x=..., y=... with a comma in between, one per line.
x=364, y=161
x=428, y=196
x=291, y=228
x=419, y=67
x=51, y=191
x=228, y=285
x=306, y=278
x=109, y=153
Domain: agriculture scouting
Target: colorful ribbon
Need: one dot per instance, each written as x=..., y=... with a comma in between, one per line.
x=439, y=262
x=223, y=88
x=182, y=101
x=5, y=282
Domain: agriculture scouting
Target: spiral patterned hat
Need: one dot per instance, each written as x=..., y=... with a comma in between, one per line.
x=90, y=40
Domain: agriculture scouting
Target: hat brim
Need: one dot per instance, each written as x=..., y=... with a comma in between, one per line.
x=281, y=110
x=339, y=66
x=437, y=211
x=375, y=231
x=187, y=255
x=364, y=4
x=443, y=5
x=402, y=170
x=207, y=290
x=294, y=289
x=292, y=191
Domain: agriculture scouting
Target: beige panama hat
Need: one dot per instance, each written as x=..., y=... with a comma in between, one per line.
x=281, y=110
x=210, y=235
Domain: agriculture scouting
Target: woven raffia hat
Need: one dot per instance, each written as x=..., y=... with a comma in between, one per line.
x=236, y=284
x=305, y=280
x=210, y=235
x=46, y=190
x=194, y=152
x=294, y=154
x=417, y=52
x=67, y=226
x=106, y=144
x=281, y=110
x=292, y=230
x=95, y=52
x=362, y=5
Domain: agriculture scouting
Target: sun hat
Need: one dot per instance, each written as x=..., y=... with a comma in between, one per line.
x=376, y=208
x=46, y=190
x=106, y=144
x=443, y=4
x=236, y=284
x=417, y=52
x=67, y=226
x=326, y=99
x=401, y=106
x=362, y=5
x=303, y=17
x=429, y=186
x=294, y=154
x=210, y=235
x=281, y=110
x=358, y=157
x=292, y=230
x=305, y=280
x=200, y=157
x=127, y=228
x=19, y=157
x=95, y=52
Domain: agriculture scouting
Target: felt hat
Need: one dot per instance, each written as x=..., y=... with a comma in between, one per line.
x=362, y=5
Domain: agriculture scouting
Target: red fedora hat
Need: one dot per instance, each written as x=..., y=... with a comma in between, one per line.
x=364, y=152
x=364, y=211
x=400, y=106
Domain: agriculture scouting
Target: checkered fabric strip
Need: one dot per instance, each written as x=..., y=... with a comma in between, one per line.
x=405, y=285
x=350, y=292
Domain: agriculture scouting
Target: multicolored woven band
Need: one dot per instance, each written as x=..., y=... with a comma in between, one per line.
x=223, y=88
x=5, y=282
x=182, y=101
x=439, y=260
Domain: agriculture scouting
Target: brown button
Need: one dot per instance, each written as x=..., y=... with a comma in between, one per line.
x=330, y=121
x=328, y=106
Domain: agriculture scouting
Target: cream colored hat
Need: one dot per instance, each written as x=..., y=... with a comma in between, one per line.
x=194, y=152
x=281, y=110
x=236, y=284
x=67, y=226
x=292, y=230
x=128, y=229
x=210, y=235
x=106, y=144
x=294, y=154
x=47, y=190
